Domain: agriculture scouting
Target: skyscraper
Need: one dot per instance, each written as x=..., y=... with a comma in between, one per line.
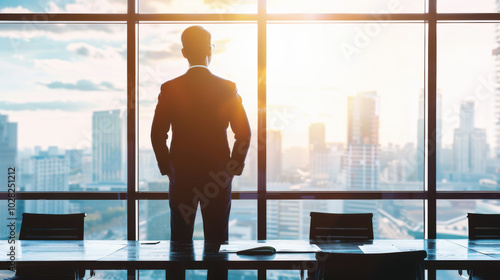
x=362, y=156
x=8, y=153
x=469, y=145
x=274, y=154
x=319, y=155
x=421, y=135
x=8, y=146
x=362, y=159
x=107, y=146
x=50, y=173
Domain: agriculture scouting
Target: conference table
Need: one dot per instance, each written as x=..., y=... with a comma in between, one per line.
x=447, y=254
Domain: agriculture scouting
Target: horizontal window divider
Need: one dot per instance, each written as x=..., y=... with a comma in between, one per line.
x=271, y=17
x=198, y=17
x=346, y=17
x=468, y=195
x=468, y=17
x=164, y=195
x=66, y=195
x=252, y=195
x=347, y=195
x=48, y=17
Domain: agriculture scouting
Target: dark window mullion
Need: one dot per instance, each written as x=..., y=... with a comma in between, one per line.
x=431, y=121
x=262, y=121
x=132, y=209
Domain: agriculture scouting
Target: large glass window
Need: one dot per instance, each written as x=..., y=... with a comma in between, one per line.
x=395, y=219
x=341, y=107
x=63, y=105
x=344, y=91
x=467, y=115
x=160, y=59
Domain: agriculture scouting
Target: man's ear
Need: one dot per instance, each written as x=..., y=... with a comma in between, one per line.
x=183, y=53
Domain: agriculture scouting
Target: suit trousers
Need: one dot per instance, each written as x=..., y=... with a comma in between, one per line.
x=212, y=192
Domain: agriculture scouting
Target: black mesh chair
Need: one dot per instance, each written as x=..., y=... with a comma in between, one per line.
x=483, y=226
x=328, y=227
x=385, y=266
x=50, y=227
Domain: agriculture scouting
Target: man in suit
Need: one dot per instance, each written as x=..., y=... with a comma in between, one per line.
x=199, y=107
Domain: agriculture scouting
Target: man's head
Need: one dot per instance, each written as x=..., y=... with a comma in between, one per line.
x=196, y=43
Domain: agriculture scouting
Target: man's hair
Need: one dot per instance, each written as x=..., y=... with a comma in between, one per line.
x=196, y=42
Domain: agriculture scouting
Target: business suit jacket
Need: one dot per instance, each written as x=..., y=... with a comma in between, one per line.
x=199, y=106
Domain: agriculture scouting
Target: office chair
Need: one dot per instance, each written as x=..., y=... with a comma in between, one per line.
x=50, y=227
x=346, y=226
x=483, y=226
x=384, y=266
x=327, y=227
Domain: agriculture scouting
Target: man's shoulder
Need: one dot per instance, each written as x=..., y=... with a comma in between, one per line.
x=173, y=81
x=227, y=83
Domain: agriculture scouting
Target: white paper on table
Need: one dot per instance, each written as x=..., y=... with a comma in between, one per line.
x=373, y=249
x=280, y=248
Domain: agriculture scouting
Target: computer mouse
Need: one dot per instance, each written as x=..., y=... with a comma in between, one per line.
x=261, y=250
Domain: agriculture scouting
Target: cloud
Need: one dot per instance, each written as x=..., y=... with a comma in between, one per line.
x=82, y=85
x=63, y=32
x=48, y=105
x=15, y=10
x=87, y=50
x=160, y=52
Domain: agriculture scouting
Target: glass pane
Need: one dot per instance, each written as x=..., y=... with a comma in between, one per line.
x=347, y=6
x=284, y=274
x=154, y=220
x=199, y=274
x=160, y=59
x=452, y=215
x=342, y=107
x=67, y=118
x=467, y=6
x=467, y=81
x=198, y=6
x=63, y=6
x=290, y=219
x=449, y=274
x=105, y=220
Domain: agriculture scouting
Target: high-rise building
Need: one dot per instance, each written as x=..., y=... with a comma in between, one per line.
x=362, y=159
x=8, y=146
x=108, y=146
x=148, y=167
x=317, y=135
x=50, y=174
x=319, y=155
x=274, y=156
x=469, y=145
x=8, y=153
x=362, y=156
x=421, y=135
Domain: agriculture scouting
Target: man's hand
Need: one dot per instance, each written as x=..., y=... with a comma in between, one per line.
x=234, y=168
x=165, y=169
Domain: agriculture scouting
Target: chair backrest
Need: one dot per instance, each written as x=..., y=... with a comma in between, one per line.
x=52, y=226
x=387, y=266
x=332, y=226
x=484, y=226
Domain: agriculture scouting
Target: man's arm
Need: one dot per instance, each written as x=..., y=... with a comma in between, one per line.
x=159, y=134
x=242, y=134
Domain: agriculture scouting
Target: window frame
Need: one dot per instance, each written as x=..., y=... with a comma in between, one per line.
x=429, y=195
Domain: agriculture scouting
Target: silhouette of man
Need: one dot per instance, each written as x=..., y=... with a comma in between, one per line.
x=199, y=106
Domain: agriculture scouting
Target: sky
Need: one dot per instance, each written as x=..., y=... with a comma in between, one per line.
x=55, y=75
